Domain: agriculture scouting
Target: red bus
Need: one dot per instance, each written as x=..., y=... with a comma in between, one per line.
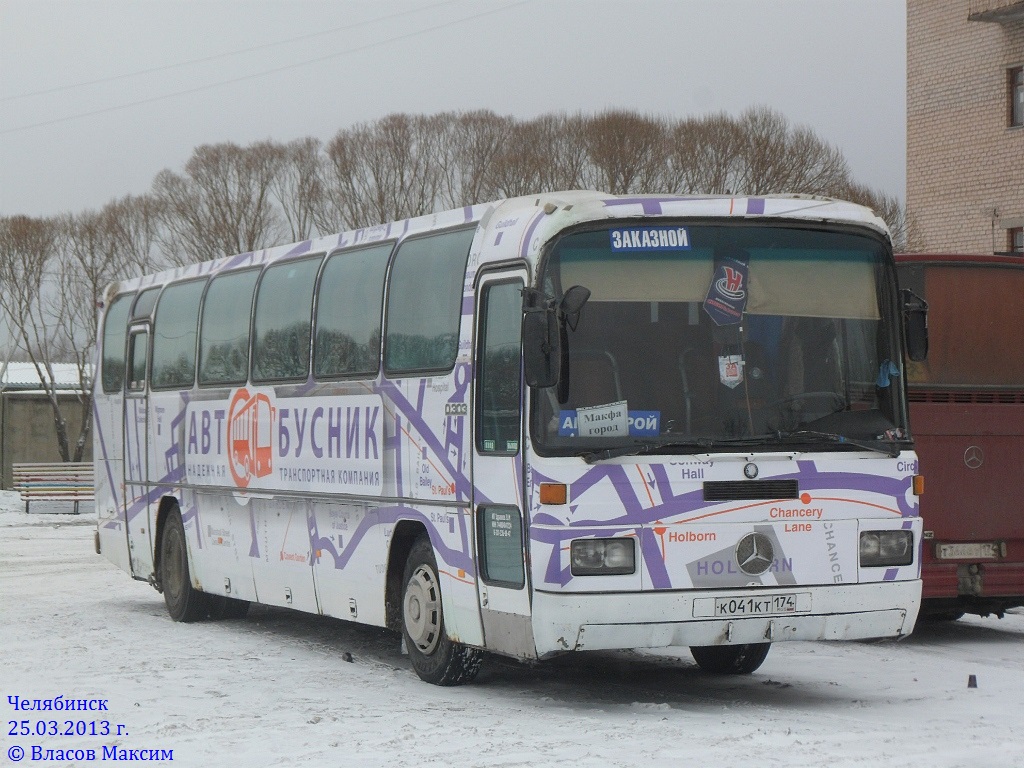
x=967, y=411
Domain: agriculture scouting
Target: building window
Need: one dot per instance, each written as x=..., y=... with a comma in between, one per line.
x=1016, y=81
x=1017, y=241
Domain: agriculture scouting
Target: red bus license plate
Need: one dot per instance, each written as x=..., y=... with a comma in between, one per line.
x=974, y=551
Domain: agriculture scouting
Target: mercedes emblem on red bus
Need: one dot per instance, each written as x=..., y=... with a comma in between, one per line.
x=974, y=457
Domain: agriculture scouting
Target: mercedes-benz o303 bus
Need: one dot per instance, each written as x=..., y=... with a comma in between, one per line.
x=967, y=402
x=549, y=424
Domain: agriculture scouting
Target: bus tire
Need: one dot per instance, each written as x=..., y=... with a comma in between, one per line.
x=184, y=602
x=435, y=657
x=730, y=659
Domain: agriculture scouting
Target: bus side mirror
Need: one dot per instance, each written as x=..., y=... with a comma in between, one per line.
x=542, y=349
x=915, y=325
x=545, y=338
x=572, y=303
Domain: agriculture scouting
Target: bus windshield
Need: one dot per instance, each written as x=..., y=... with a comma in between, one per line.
x=703, y=335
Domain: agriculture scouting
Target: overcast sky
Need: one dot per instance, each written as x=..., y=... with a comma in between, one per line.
x=98, y=96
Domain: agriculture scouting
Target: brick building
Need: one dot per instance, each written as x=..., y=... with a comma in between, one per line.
x=965, y=125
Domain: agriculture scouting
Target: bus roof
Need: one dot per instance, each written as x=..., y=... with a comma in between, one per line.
x=530, y=221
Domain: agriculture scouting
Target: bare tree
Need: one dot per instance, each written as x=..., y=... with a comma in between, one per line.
x=471, y=144
x=298, y=186
x=704, y=155
x=542, y=155
x=39, y=320
x=776, y=158
x=383, y=171
x=26, y=245
x=133, y=224
x=517, y=167
x=627, y=152
x=222, y=204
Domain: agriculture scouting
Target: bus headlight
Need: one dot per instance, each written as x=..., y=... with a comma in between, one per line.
x=882, y=548
x=602, y=557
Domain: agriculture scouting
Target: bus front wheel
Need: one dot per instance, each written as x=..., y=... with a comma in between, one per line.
x=184, y=602
x=436, y=658
x=730, y=659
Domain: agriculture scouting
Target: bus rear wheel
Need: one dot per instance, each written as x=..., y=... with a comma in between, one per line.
x=730, y=659
x=435, y=657
x=184, y=602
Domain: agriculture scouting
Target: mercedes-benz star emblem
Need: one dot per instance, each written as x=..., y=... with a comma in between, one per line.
x=750, y=471
x=754, y=554
x=974, y=457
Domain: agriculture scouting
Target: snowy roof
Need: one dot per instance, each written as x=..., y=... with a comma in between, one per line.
x=24, y=376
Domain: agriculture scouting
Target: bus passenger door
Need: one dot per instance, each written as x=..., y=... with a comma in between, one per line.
x=501, y=530
x=108, y=434
x=136, y=450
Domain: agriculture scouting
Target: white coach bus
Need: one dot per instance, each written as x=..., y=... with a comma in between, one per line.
x=550, y=424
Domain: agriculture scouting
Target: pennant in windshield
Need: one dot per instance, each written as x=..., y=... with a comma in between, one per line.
x=727, y=296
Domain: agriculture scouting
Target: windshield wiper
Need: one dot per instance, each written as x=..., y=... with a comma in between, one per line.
x=890, y=449
x=638, y=448
x=706, y=444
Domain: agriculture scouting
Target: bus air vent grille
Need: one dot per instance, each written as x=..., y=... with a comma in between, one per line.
x=750, y=490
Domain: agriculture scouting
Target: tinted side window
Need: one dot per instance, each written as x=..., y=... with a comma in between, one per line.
x=224, y=333
x=144, y=303
x=115, y=326
x=348, y=312
x=174, y=336
x=138, y=348
x=425, y=303
x=281, y=330
x=498, y=368
x=501, y=546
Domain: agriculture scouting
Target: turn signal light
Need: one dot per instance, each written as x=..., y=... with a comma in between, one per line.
x=553, y=493
x=918, y=485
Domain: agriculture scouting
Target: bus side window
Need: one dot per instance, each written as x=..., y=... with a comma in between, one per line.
x=144, y=303
x=224, y=332
x=283, y=321
x=425, y=303
x=115, y=329
x=348, y=312
x=499, y=376
x=138, y=350
x=174, y=336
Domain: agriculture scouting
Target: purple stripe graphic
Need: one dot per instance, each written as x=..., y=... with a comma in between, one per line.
x=529, y=233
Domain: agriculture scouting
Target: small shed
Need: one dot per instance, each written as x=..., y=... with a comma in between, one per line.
x=27, y=432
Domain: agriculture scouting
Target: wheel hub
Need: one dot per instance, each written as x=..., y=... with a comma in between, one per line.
x=422, y=610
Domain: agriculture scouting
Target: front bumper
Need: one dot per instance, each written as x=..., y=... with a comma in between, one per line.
x=578, y=622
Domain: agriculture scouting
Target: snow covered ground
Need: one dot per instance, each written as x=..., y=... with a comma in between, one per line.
x=277, y=689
